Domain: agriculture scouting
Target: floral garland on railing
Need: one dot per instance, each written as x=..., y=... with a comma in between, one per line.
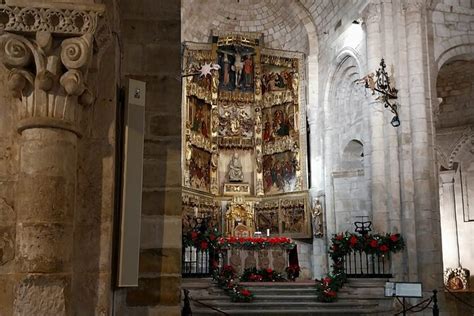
x=255, y=243
x=261, y=275
x=226, y=279
x=202, y=240
x=345, y=243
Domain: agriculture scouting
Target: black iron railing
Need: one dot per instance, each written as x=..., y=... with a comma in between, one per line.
x=359, y=264
x=198, y=263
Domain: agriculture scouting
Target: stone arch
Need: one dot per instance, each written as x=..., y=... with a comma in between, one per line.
x=353, y=154
x=453, y=48
x=441, y=158
x=346, y=66
x=467, y=139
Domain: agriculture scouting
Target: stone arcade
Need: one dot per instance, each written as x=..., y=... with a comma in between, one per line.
x=275, y=136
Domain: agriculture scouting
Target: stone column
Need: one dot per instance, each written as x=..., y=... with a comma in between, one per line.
x=373, y=18
x=319, y=260
x=47, y=54
x=428, y=239
x=448, y=220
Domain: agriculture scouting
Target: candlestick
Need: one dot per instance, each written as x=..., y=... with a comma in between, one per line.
x=268, y=232
x=195, y=211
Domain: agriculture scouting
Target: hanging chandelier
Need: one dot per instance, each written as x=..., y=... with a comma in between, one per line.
x=386, y=93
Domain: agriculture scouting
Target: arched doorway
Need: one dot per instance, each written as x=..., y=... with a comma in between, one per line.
x=454, y=124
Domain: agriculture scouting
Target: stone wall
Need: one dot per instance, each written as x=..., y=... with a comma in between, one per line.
x=455, y=86
x=151, y=44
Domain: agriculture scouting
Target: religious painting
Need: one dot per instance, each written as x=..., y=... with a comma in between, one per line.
x=236, y=122
x=293, y=219
x=236, y=68
x=278, y=122
x=279, y=172
x=199, y=116
x=267, y=219
x=199, y=169
x=278, y=78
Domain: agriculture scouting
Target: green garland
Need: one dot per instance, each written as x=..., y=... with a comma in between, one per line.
x=255, y=243
x=345, y=243
x=226, y=279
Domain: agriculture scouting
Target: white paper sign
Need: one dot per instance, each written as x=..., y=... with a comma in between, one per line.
x=408, y=289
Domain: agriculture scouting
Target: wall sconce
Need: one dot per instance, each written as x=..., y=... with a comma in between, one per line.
x=381, y=85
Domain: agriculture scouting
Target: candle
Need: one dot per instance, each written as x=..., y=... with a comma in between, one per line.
x=268, y=232
x=195, y=211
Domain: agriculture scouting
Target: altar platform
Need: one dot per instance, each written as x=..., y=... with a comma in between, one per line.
x=357, y=297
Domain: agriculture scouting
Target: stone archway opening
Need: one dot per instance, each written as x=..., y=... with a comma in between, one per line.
x=454, y=124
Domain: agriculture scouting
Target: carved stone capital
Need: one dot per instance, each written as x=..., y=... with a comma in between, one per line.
x=414, y=5
x=373, y=13
x=48, y=52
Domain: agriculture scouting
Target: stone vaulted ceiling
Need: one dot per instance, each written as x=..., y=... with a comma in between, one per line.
x=286, y=24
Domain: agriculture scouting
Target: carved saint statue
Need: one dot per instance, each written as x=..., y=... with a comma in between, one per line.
x=235, y=169
x=317, y=215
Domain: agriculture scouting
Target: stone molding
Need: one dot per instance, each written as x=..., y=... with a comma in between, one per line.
x=28, y=16
x=48, y=53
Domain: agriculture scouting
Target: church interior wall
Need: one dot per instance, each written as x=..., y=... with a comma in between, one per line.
x=147, y=36
x=150, y=39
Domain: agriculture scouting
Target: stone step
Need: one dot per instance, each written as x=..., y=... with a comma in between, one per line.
x=359, y=297
x=328, y=309
x=261, y=304
x=294, y=312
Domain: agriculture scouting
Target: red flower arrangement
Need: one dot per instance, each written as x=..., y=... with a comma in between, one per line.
x=293, y=271
x=343, y=244
x=261, y=275
x=255, y=243
x=201, y=240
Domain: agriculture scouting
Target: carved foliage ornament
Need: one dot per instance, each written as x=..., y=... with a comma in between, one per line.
x=16, y=53
x=48, y=73
x=53, y=20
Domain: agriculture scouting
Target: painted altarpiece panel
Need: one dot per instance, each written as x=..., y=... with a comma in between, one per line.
x=199, y=169
x=279, y=172
x=199, y=117
x=251, y=105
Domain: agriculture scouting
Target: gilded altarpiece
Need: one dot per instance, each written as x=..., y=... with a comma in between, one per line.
x=242, y=134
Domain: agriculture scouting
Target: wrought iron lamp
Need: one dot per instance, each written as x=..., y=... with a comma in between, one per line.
x=387, y=93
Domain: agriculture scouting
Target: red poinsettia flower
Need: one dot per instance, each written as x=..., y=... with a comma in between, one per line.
x=204, y=245
x=394, y=237
x=383, y=248
x=330, y=293
x=269, y=271
x=327, y=281
x=212, y=237
x=194, y=235
x=227, y=267
x=245, y=292
x=339, y=237
x=353, y=240
x=373, y=243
